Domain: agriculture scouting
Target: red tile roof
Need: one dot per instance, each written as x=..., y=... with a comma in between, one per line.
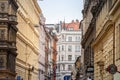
x=73, y=24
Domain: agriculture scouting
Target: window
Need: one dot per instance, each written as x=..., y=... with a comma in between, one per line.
x=63, y=38
x=62, y=57
x=70, y=28
x=59, y=57
x=69, y=38
x=69, y=57
x=62, y=47
x=59, y=48
x=58, y=66
x=69, y=67
x=69, y=48
x=63, y=67
x=77, y=48
x=77, y=38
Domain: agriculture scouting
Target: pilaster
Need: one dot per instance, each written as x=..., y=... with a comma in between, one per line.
x=8, y=30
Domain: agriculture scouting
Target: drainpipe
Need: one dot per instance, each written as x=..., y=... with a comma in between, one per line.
x=114, y=43
x=113, y=46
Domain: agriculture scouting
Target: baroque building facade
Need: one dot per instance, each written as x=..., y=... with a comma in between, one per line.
x=88, y=30
x=51, y=52
x=68, y=48
x=42, y=45
x=8, y=30
x=28, y=49
x=107, y=39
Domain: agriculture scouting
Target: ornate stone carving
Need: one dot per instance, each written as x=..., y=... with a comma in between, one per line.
x=2, y=34
x=1, y=61
x=8, y=30
x=11, y=62
x=2, y=6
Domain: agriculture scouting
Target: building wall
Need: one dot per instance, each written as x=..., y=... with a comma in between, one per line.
x=63, y=45
x=106, y=45
x=104, y=53
x=87, y=15
x=117, y=39
x=88, y=29
x=27, y=38
x=51, y=52
x=42, y=45
x=54, y=56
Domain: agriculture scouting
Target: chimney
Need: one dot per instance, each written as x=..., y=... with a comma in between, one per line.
x=77, y=20
x=72, y=21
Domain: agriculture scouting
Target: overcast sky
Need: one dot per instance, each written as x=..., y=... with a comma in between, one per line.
x=58, y=10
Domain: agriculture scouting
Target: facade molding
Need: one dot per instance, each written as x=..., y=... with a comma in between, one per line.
x=114, y=8
x=28, y=21
x=37, y=6
x=24, y=65
x=29, y=43
x=102, y=33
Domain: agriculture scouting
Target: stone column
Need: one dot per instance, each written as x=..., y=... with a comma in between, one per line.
x=8, y=30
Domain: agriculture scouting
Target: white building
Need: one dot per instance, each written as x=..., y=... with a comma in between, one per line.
x=68, y=48
x=42, y=49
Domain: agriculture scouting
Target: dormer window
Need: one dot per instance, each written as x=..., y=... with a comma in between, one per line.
x=70, y=28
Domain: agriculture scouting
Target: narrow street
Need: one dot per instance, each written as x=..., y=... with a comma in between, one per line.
x=59, y=39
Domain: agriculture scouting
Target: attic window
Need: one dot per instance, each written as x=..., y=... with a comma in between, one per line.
x=70, y=28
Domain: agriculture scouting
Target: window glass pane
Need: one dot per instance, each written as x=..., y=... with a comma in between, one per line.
x=69, y=57
x=69, y=38
x=62, y=57
x=69, y=67
x=77, y=48
x=69, y=48
x=62, y=48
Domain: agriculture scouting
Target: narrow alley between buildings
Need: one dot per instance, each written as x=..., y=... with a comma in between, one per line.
x=59, y=39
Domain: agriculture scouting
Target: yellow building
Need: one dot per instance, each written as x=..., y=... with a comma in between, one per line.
x=107, y=41
x=27, y=42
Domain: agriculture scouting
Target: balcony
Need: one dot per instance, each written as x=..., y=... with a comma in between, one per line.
x=66, y=62
x=63, y=72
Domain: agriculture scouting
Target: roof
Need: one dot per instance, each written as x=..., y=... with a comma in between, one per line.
x=73, y=24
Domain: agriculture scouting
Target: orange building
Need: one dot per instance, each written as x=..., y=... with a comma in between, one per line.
x=74, y=25
x=50, y=54
x=54, y=55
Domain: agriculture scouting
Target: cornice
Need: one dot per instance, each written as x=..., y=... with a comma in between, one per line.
x=89, y=31
x=107, y=25
x=24, y=15
x=37, y=6
x=98, y=7
x=20, y=6
x=28, y=21
x=41, y=63
x=115, y=6
x=28, y=42
x=23, y=64
x=37, y=9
